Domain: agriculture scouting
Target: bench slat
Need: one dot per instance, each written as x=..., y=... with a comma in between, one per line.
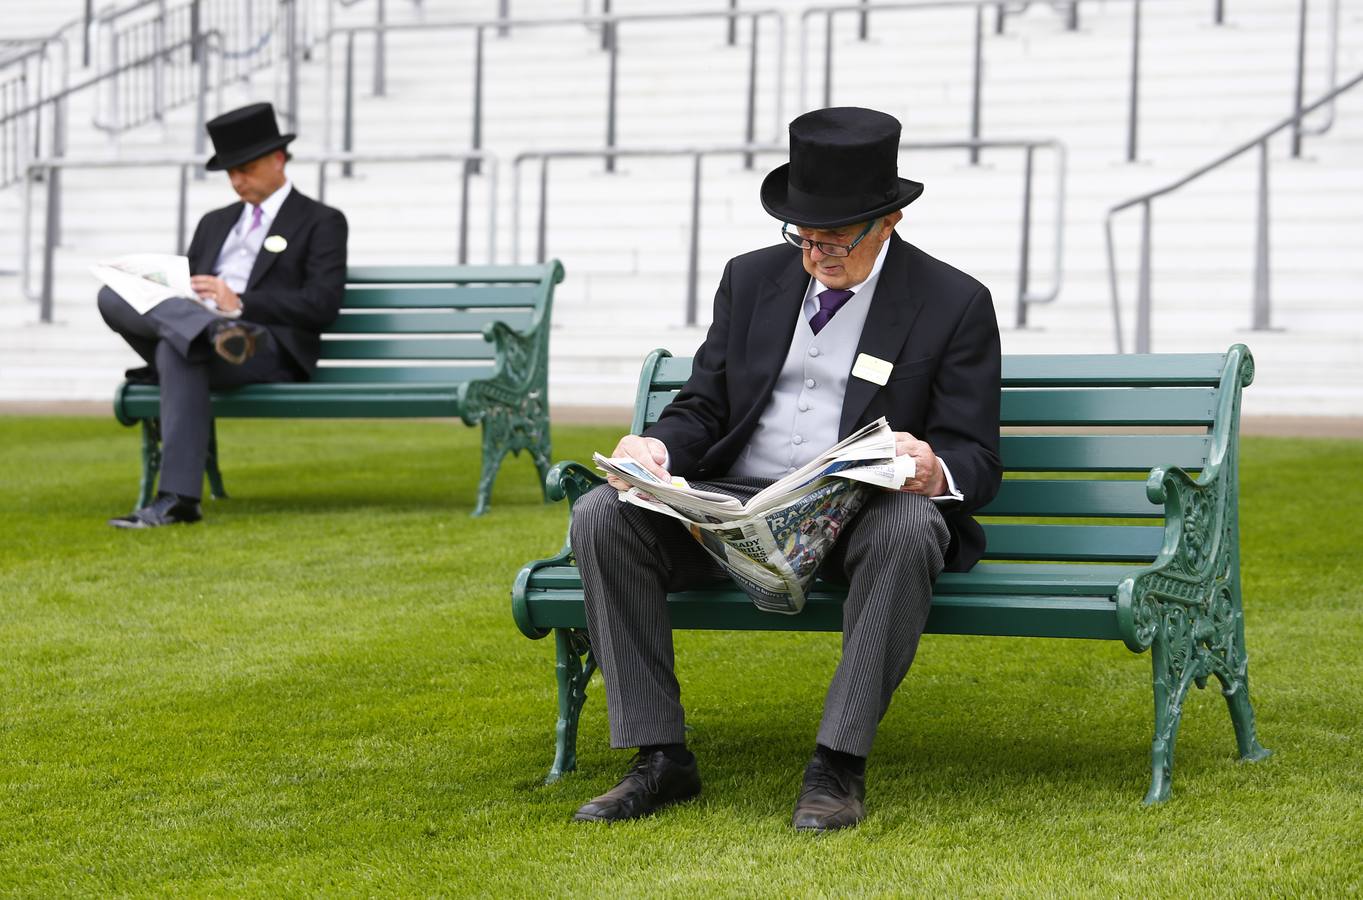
x=407, y=297
x=444, y=274
x=435, y=375
x=312, y=401
x=1077, y=499
x=1080, y=543
x=1102, y=452
x=416, y=348
x=1069, y=406
x=442, y=322
x=1061, y=617
x=1064, y=370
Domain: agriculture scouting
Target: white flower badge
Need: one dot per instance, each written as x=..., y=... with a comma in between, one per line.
x=275, y=243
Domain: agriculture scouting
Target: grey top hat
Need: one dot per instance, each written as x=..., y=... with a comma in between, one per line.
x=843, y=169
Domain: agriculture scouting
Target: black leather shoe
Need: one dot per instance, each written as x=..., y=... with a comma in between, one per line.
x=830, y=797
x=233, y=341
x=142, y=375
x=653, y=781
x=167, y=509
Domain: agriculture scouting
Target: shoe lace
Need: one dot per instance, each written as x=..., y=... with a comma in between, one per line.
x=639, y=771
x=823, y=777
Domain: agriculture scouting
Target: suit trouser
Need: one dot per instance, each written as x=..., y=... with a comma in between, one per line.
x=170, y=337
x=630, y=558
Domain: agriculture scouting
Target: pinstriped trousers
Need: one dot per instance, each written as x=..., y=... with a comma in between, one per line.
x=630, y=558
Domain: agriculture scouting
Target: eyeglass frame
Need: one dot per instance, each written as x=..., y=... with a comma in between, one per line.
x=838, y=251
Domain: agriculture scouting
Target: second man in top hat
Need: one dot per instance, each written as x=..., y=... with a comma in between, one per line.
x=269, y=271
x=842, y=323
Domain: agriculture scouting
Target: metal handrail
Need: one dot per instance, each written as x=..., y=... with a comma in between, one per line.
x=862, y=8
x=1262, y=310
x=609, y=22
x=185, y=164
x=1025, y=297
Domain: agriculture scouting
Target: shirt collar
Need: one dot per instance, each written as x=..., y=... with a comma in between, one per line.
x=270, y=205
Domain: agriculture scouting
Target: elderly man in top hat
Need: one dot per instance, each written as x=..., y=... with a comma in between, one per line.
x=269, y=272
x=840, y=324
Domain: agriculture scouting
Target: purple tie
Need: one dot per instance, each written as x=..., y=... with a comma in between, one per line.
x=830, y=301
x=255, y=220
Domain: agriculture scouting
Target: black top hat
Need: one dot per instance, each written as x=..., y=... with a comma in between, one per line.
x=244, y=134
x=843, y=169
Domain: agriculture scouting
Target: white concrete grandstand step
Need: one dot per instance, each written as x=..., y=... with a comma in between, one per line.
x=623, y=238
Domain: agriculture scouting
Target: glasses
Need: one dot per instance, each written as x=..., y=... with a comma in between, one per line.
x=796, y=240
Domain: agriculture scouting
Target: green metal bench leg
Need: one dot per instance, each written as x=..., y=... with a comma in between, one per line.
x=495, y=449
x=574, y=669
x=1172, y=657
x=214, y=473
x=1233, y=672
x=543, y=455
x=151, y=461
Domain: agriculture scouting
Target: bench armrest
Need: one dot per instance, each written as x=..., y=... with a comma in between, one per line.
x=570, y=480
x=1198, y=567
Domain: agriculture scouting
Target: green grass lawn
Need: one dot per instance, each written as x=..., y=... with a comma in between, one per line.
x=320, y=691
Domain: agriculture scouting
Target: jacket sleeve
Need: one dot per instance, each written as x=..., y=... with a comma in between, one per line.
x=316, y=302
x=962, y=424
x=699, y=415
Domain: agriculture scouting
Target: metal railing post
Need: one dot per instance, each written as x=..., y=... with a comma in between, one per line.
x=613, y=48
x=1219, y=13
x=195, y=29
x=1134, y=101
x=159, y=65
x=864, y=23
x=978, y=86
x=182, y=211
x=49, y=246
x=348, y=117
x=1261, y=246
x=291, y=36
x=750, y=131
x=542, y=223
x=58, y=151
x=1025, y=264
x=733, y=23
x=605, y=29
x=1143, y=284
x=1301, y=80
x=693, y=256
x=85, y=34
x=201, y=100
x=503, y=13
x=828, y=59
x=380, y=42
x=1072, y=17
x=464, y=212
x=999, y=15
x=473, y=164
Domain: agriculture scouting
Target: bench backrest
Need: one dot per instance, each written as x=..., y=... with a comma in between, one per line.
x=1080, y=435
x=414, y=324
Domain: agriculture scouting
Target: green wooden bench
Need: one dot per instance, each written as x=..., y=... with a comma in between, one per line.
x=1057, y=565
x=410, y=342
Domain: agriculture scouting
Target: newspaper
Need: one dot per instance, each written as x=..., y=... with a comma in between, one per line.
x=146, y=279
x=773, y=544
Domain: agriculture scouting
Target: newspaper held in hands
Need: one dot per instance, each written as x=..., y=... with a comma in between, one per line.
x=773, y=544
x=146, y=279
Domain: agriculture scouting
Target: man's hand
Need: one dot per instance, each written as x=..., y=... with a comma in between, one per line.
x=650, y=453
x=928, y=478
x=211, y=287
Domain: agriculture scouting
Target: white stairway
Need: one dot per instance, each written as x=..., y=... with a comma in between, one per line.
x=623, y=236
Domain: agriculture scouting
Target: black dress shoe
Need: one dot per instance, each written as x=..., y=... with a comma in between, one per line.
x=653, y=781
x=142, y=375
x=167, y=509
x=830, y=797
x=233, y=341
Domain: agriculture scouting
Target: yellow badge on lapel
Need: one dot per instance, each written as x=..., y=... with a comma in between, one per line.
x=275, y=243
x=869, y=368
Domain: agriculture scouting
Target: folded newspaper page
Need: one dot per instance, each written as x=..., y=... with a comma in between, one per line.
x=773, y=544
x=146, y=279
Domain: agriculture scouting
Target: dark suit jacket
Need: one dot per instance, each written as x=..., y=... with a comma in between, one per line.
x=935, y=323
x=297, y=292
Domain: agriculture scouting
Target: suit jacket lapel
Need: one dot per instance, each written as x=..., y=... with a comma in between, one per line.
x=219, y=228
x=893, y=310
x=775, y=314
x=285, y=224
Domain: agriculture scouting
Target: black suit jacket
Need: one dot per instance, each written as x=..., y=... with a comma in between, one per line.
x=297, y=292
x=935, y=323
